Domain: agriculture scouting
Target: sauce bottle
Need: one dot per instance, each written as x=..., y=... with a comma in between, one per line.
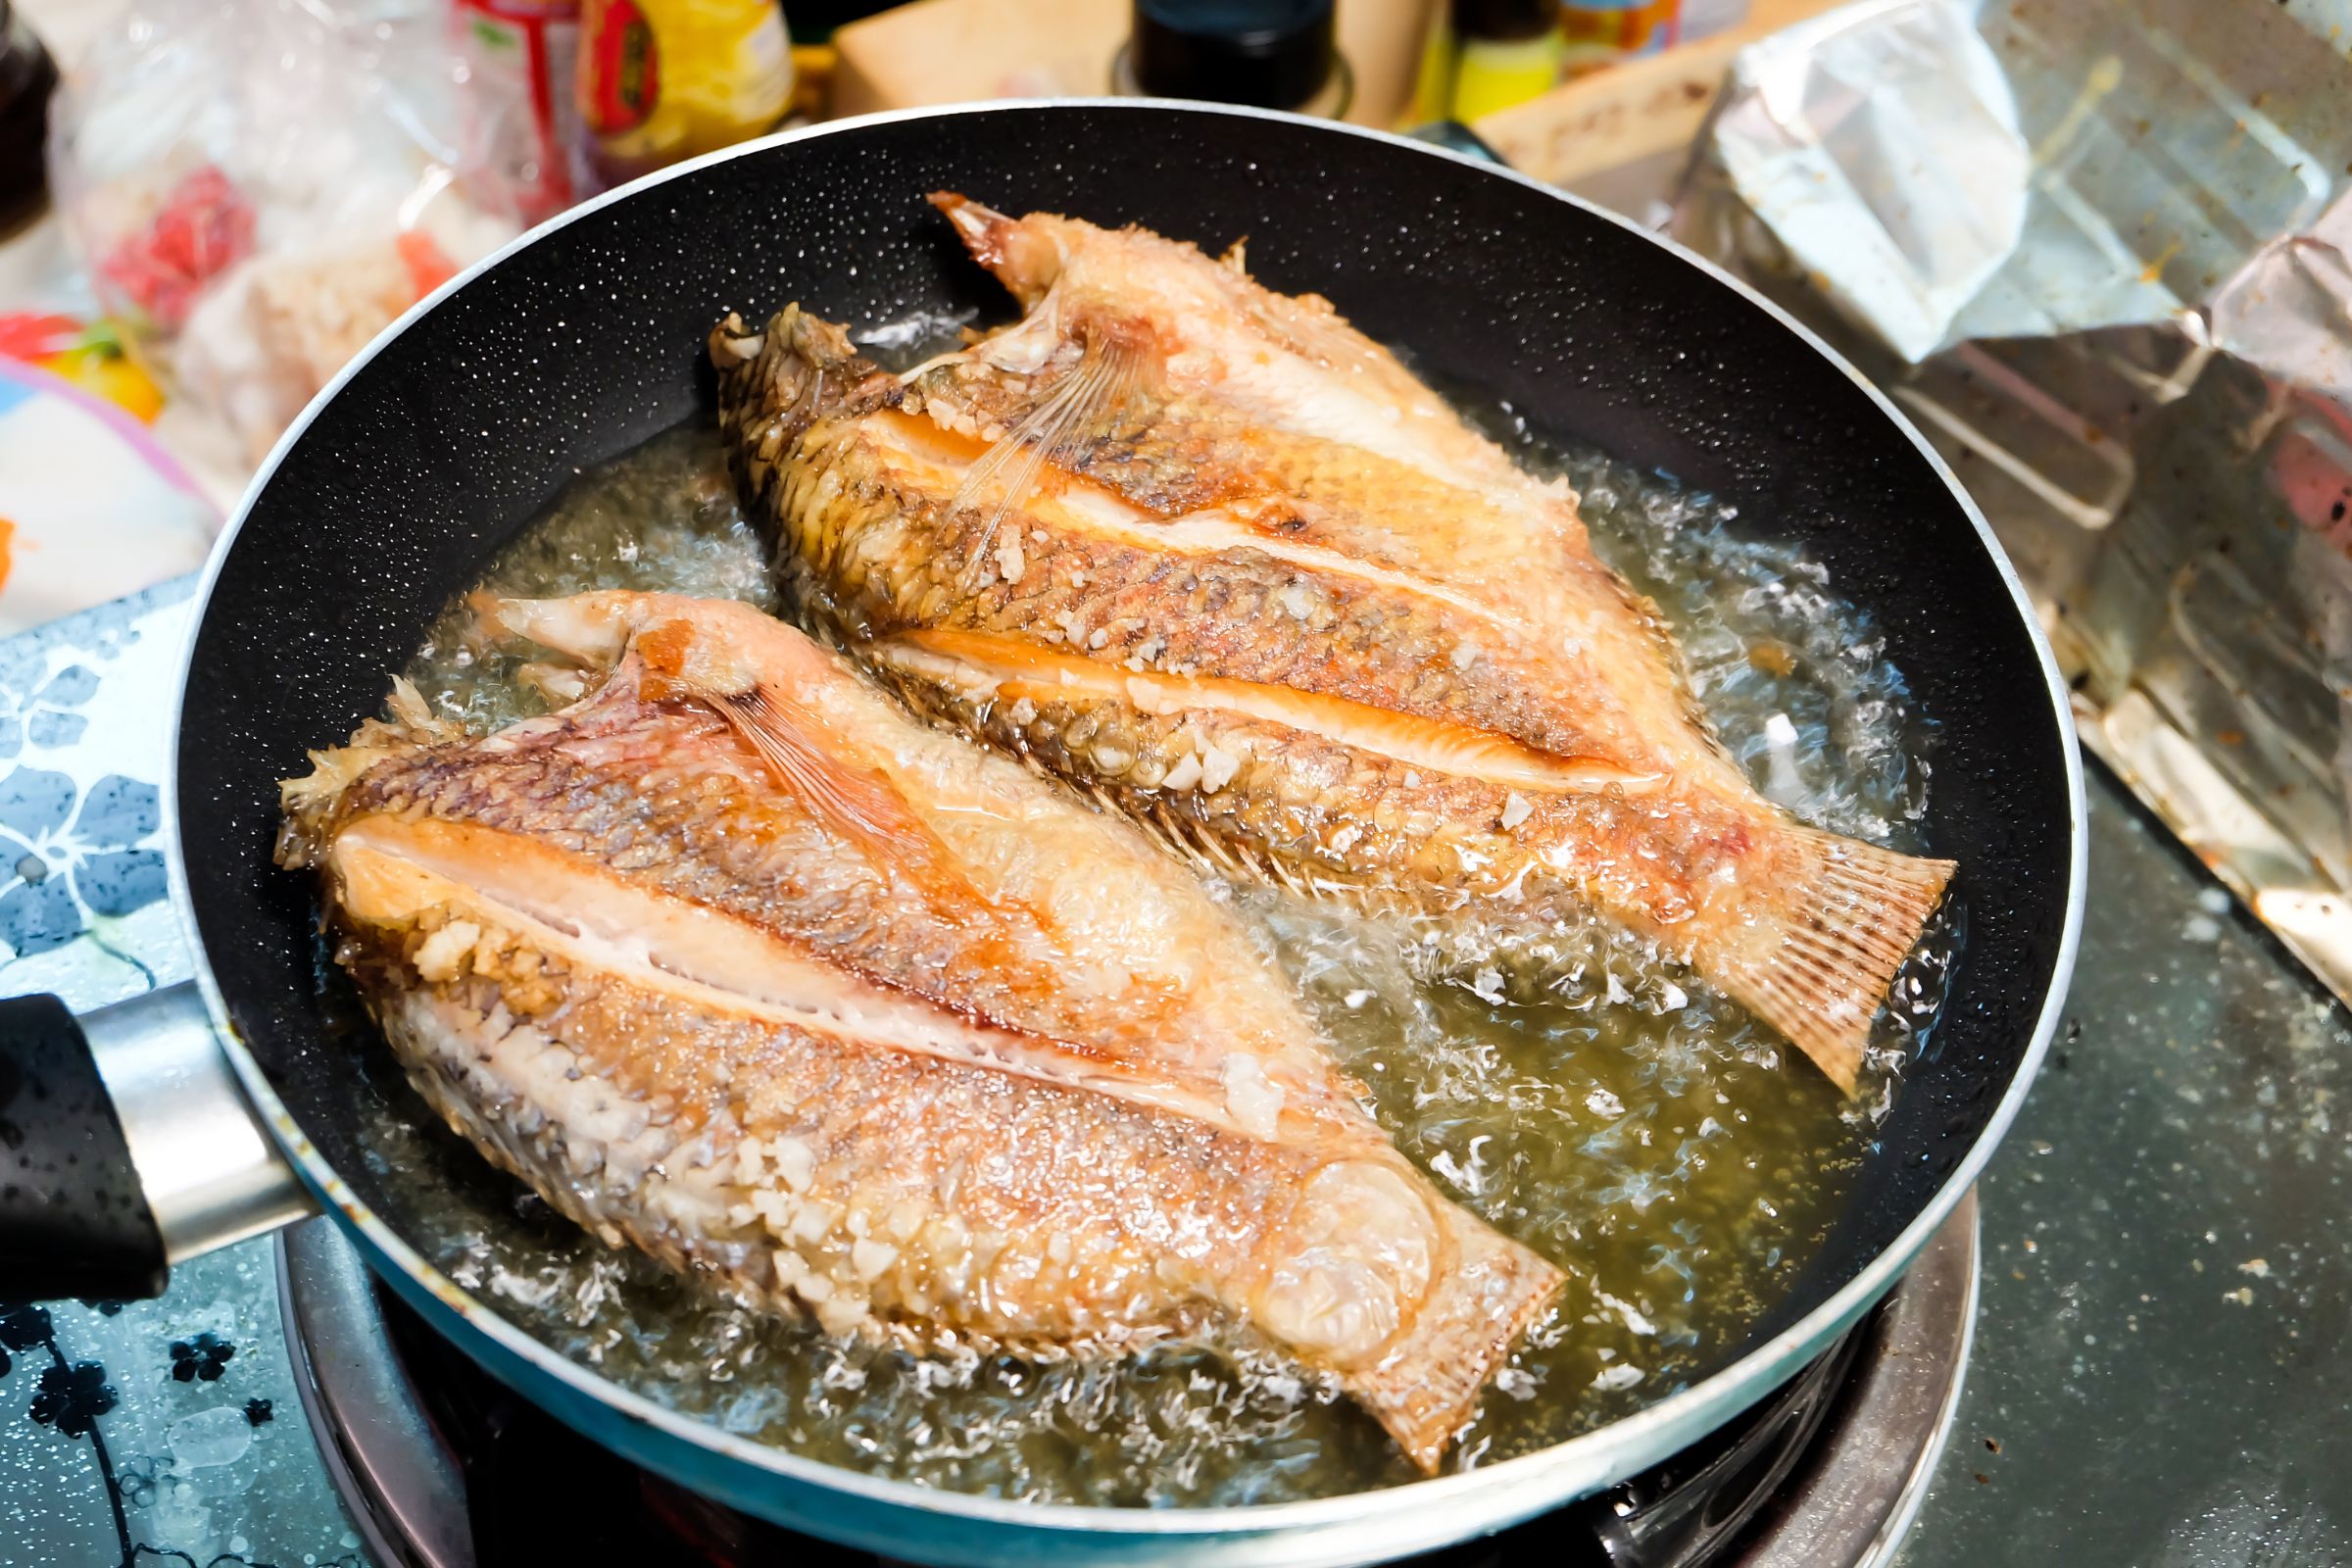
x=1270, y=54
x=1485, y=55
x=662, y=80
x=1601, y=32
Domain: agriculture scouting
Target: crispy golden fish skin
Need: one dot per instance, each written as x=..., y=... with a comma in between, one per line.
x=1209, y=553
x=734, y=960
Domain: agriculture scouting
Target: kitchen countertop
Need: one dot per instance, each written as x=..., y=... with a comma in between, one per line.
x=2167, y=1271
x=2159, y=1376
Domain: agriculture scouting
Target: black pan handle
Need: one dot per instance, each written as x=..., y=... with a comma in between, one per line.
x=125, y=1145
x=73, y=1219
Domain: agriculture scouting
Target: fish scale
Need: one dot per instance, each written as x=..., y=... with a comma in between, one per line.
x=878, y=549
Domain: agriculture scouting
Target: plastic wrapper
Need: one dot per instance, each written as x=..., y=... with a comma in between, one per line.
x=521, y=57
x=260, y=186
x=2100, y=252
x=1947, y=172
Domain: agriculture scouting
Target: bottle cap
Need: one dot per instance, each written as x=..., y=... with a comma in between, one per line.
x=1505, y=20
x=1273, y=54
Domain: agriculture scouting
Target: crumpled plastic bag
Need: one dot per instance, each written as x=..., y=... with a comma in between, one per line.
x=1880, y=144
x=260, y=186
x=1948, y=171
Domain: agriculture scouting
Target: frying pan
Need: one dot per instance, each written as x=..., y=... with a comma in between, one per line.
x=583, y=339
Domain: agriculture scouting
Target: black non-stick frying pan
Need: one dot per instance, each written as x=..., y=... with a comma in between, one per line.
x=585, y=338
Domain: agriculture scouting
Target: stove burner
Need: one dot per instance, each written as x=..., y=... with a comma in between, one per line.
x=443, y=1467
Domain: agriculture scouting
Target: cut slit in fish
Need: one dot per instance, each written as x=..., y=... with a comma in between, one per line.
x=662, y=954
x=1267, y=595
x=1011, y=670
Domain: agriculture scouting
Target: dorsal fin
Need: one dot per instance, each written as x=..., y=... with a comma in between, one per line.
x=1021, y=252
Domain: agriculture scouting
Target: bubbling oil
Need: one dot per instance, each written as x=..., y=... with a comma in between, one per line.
x=1670, y=1154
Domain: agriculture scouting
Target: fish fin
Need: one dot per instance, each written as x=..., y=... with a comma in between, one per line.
x=857, y=803
x=308, y=801
x=776, y=381
x=590, y=630
x=1849, y=915
x=1427, y=1384
x=1190, y=844
x=558, y=685
x=852, y=801
x=1056, y=429
x=1021, y=252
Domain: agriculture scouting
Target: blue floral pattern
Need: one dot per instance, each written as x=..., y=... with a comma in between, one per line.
x=206, y=1356
x=59, y=865
x=45, y=716
x=73, y=1398
x=79, y=818
x=84, y=703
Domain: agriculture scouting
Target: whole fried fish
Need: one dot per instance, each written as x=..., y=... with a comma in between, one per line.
x=1215, y=556
x=733, y=959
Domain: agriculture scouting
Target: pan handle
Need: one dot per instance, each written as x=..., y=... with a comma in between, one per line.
x=125, y=1145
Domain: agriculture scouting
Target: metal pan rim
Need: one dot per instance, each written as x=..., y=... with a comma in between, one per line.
x=1414, y=1516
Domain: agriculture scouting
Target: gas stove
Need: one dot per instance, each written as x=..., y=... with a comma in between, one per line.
x=441, y=1467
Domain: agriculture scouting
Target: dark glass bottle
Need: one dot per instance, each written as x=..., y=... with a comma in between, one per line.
x=1269, y=54
x=27, y=78
x=814, y=21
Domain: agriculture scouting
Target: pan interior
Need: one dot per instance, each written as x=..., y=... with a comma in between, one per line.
x=1578, y=1093
x=583, y=345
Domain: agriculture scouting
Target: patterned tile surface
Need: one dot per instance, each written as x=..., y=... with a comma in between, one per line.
x=149, y=1432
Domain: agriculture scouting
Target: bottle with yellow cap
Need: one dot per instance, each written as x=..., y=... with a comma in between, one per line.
x=1485, y=55
x=660, y=81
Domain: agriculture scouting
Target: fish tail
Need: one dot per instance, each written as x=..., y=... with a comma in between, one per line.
x=1425, y=1387
x=1843, y=919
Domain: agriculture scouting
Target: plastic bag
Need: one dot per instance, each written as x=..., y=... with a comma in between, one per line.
x=521, y=57
x=260, y=186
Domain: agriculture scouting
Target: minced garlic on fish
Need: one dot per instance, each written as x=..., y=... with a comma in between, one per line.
x=1273, y=589
x=735, y=961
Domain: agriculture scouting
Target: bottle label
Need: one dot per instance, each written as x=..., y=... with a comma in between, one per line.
x=665, y=79
x=1598, y=31
x=621, y=73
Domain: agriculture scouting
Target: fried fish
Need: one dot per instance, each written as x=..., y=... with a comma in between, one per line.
x=733, y=959
x=1215, y=558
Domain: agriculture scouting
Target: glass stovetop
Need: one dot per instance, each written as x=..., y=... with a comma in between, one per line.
x=2167, y=1258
